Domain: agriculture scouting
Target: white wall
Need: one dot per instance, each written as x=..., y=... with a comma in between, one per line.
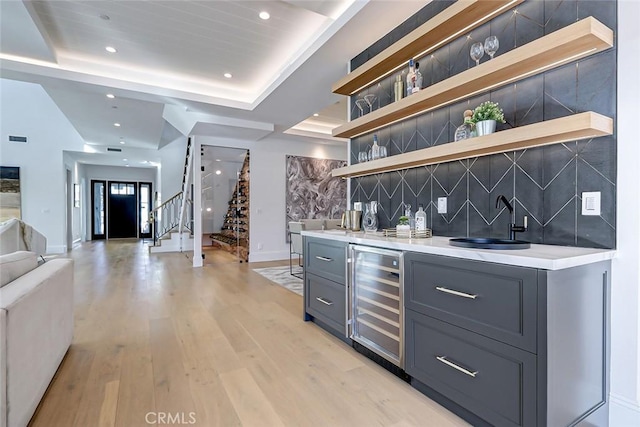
x=172, y=157
x=27, y=110
x=625, y=277
x=112, y=173
x=267, y=189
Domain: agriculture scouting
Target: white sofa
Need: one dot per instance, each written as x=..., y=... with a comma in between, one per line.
x=36, y=328
x=16, y=235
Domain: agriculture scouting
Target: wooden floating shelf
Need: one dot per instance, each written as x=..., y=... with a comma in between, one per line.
x=581, y=39
x=462, y=16
x=570, y=128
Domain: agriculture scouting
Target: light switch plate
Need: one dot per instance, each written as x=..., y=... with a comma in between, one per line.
x=442, y=205
x=591, y=203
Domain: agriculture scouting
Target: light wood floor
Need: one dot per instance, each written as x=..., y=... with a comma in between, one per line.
x=215, y=346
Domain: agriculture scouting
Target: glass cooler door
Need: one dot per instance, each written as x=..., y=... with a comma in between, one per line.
x=376, y=301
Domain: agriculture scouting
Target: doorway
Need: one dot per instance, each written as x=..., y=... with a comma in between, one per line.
x=122, y=210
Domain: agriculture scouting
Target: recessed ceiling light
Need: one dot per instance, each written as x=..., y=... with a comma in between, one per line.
x=110, y=96
x=315, y=114
x=122, y=142
x=126, y=166
x=228, y=75
x=208, y=209
x=124, y=160
x=264, y=15
x=218, y=172
x=110, y=49
x=218, y=160
x=117, y=125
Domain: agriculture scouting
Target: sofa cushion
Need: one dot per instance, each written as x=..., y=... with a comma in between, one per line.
x=16, y=264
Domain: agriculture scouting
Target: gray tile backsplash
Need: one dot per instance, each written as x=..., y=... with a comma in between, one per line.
x=543, y=183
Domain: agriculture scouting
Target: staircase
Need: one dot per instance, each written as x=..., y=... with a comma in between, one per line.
x=173, y=220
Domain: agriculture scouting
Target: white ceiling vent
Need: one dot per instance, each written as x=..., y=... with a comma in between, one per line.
x=18, y=139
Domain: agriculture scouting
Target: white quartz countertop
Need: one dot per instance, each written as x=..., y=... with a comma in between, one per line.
x=546, y=257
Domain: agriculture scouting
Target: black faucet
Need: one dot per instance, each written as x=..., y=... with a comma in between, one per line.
x=513, y=228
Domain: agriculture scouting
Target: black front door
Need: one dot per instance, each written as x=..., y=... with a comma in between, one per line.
x=123, y=210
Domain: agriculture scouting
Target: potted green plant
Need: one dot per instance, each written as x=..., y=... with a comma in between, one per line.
x=403, y=229
x=485, y=116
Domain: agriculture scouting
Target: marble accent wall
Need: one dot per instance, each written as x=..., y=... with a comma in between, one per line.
x=311, y=191
x=543, y=183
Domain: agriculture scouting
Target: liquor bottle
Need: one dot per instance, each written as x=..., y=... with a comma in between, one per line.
x=421, y=219
x=464, y=131
x=412, y=220
x=398, y=88
x=375, y=149
x=411, y=78
x=418, y=84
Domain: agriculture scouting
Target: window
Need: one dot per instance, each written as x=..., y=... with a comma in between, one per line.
x=76, y=196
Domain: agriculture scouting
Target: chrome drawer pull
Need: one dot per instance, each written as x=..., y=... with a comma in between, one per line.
x=457, y=293
x=323, y=258
x=324, y=301
x=444, y=360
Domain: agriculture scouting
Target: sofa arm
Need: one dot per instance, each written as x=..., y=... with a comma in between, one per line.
x=38, y=325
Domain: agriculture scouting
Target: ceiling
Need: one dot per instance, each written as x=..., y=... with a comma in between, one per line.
x=167, y=76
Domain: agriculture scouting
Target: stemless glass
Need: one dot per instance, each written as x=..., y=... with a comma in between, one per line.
x=362, y=157
x=383, y=151
x=360, y=103
x=491, y=45
x=476, y=52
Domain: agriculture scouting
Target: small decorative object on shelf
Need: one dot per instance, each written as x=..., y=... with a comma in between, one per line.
x=403, y=229
x=370, y=99
x=485, y=116
x=398, y=88
x=418, y=85
x=421, y=219
x=410, y=234
x=360, y=103
x=411, y=77
x=375, y=149
x=465, y=130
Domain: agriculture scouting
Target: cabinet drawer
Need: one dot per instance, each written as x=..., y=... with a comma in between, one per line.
x=326, y=258
x=494, y=300
x=495, y=381
x=326, y=300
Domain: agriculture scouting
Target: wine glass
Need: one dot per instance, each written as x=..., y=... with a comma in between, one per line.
x=476, y=52
x=491, y=45
x=370, y=99
x=360, y=103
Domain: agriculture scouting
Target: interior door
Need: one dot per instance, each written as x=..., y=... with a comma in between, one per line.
x=98, y=210
x=123, y=210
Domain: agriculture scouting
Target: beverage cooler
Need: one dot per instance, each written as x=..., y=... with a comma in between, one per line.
x=376, y=301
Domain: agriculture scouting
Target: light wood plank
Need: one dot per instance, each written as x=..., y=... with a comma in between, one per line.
x=579, y=40
x=571, y=128
x=109, y=405
x=460, y=17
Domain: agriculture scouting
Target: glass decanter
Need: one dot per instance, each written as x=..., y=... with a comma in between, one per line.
x=370, y=218
x=465, y=130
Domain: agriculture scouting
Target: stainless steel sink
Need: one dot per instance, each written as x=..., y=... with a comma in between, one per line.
x=489, y=243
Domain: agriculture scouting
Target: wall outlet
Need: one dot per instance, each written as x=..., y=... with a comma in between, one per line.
x=591, y=203
x=442, y=205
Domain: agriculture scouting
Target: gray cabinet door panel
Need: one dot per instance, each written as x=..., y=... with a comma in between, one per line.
x=326, y=300
x=494, y=300
x=499, y=384
x=326, y=258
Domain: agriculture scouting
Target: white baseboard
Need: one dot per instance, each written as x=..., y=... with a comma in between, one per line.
x=260, y=256
x=623, y=412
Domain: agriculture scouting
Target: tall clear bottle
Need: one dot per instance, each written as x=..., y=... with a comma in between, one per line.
x=411, y=77
x=421, y=219
x=375, y=149
x=418, y=83
x=408, y=214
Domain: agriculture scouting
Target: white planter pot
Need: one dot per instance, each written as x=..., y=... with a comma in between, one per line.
x=403, y=230
x=485, y=127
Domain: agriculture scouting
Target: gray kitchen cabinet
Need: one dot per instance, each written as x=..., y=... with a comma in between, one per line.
x=325, y=284
x=509, y=346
